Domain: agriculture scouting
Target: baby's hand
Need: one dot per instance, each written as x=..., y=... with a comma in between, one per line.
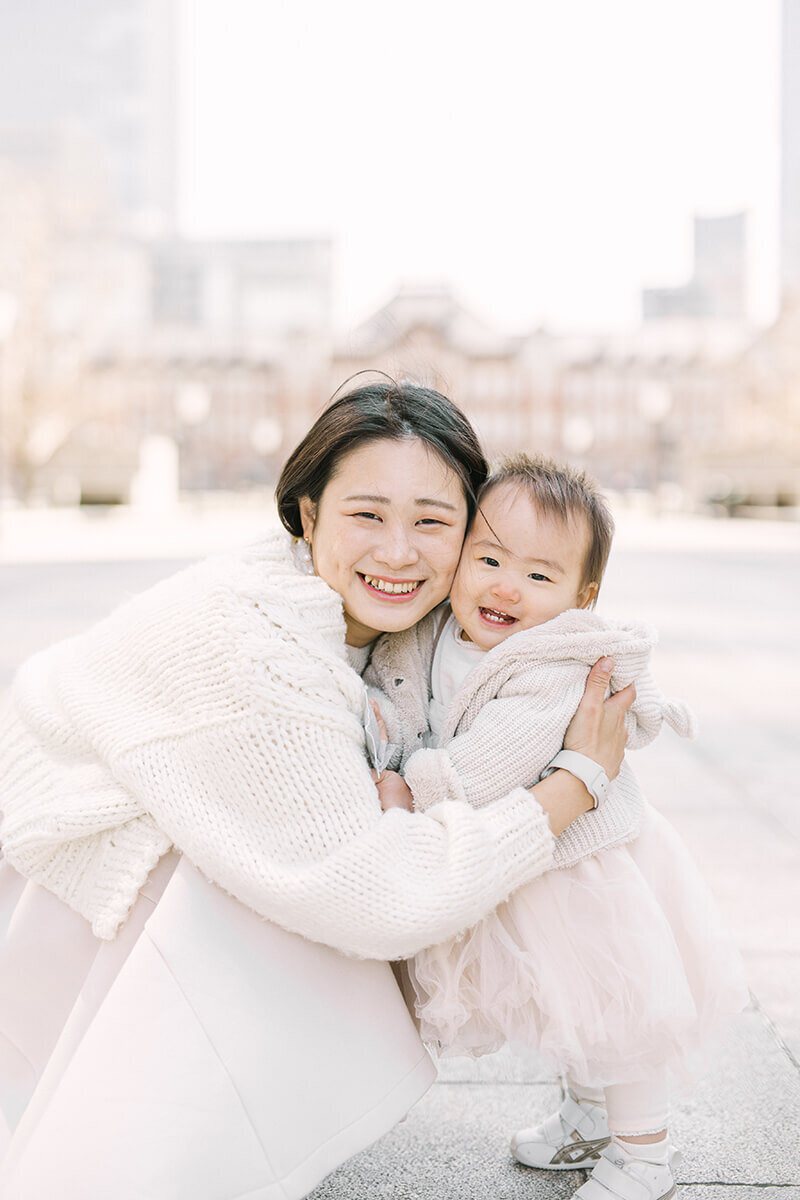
x=380, y=720
x=394, y=792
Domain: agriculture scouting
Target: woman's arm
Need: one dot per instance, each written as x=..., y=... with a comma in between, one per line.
x=305, y=843
x=270, y=796
x=598, y=731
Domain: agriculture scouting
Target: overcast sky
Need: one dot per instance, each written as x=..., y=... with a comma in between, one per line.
x=544, y=156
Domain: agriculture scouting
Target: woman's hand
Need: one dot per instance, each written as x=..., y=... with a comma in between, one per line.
x=598, y=727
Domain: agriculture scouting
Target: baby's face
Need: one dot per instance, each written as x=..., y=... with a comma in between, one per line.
x=518, y=568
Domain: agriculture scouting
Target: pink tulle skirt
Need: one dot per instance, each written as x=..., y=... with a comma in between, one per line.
x=611, y=968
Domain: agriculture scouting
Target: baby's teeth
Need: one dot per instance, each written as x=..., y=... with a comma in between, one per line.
x=500, y=618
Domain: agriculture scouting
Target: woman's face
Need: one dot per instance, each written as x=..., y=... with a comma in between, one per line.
x=386, y=534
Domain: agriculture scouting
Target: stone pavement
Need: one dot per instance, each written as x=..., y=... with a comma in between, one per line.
x=724, y=599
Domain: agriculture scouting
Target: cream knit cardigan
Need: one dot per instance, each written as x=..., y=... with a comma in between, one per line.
x=217, y=712
x=509, y=718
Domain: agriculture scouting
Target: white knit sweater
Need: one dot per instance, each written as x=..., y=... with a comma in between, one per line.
x=509, y=718
x=217, y=712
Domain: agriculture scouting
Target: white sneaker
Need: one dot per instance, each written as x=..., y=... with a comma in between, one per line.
x=572, y=1137
x=618, y=1176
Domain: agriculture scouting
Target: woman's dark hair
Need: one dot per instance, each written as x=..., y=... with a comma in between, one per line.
x=369, y=414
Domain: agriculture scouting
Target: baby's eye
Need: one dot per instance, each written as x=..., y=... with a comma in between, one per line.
x=539, y=578
x=490, y=562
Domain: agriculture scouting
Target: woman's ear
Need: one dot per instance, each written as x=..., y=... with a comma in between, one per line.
x=588, y=594
x=308, y=515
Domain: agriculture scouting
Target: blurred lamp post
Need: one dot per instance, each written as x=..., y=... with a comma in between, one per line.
x=9, y=308
x=654, y=401
x=577, y=435
x=266, y=436
x=192, y=403
x=192, y=408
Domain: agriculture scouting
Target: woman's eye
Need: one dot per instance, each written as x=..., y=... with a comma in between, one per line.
x=372, y=516
x=430, y=521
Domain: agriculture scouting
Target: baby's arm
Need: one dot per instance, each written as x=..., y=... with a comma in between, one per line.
x=508, y=745
x=651, y=709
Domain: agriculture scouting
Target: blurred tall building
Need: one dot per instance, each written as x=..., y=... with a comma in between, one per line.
x=96, y=80
x=118, y=332
x=717, y=289
x=240, y=296
x=790, y=152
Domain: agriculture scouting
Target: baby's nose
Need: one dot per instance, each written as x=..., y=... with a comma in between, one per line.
x=506, y=587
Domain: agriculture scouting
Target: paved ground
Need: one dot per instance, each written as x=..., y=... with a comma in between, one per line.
x=724, y=598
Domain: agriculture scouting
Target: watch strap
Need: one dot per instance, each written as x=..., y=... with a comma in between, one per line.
x=590, y=773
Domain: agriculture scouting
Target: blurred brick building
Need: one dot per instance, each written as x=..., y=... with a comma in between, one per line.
x=639, y=409
x=117, y=336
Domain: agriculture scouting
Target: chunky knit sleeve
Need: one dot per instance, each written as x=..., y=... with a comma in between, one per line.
x=217, y=712
x=298, y=836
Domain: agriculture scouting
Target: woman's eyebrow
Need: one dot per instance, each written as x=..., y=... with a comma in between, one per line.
x=422, y=502
x=426, y=502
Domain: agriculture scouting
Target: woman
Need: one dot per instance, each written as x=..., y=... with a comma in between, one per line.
x=221, y=715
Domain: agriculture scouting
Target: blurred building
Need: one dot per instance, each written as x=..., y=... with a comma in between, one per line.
x=790, y=153
x=229, y=364
x=717, y=289
x=95, y=79
x=125, y=348
x=70, y=293
x=425, y=334
x=222, y=419
x=755, y=462
x=87, y=167
x=240, y=296
x=638, y=410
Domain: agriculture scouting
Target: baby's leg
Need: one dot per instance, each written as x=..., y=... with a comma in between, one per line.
x=631, y=1117
x=639, y=1159
x=638, y=1114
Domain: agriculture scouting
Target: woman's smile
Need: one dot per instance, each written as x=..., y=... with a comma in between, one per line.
x=391, y=589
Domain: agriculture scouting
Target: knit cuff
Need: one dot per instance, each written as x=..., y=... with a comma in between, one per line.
x=433, y=779
x=525, y=841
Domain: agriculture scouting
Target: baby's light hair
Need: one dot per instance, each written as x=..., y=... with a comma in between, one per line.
x=559, y=490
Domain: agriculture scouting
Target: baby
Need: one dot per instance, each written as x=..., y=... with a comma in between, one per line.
x=612, y=964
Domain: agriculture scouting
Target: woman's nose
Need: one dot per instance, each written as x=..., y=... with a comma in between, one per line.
x=396, y=548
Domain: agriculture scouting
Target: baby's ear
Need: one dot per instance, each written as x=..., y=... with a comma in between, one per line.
x=588, y=594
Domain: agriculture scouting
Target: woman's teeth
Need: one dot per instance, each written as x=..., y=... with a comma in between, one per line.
x=498, y=618
x=395, y=589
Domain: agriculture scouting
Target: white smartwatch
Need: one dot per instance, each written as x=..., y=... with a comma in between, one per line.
x=590, y=773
